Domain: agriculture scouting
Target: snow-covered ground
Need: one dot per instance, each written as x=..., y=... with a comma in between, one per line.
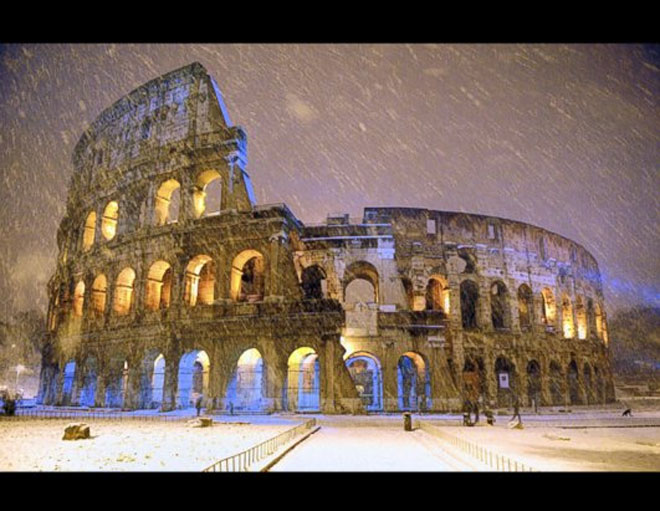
x=129, y=445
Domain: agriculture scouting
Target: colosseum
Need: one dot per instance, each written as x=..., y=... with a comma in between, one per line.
x=172, y=282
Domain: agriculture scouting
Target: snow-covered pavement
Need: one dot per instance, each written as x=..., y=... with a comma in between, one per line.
x=368, y=445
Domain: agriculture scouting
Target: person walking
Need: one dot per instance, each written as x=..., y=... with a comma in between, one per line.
x=516, y=408
x=198, y=404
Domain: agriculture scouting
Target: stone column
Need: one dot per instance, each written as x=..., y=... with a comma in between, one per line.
x=389, y=368
x=170, y=381
x=327, y=382
x=491, y=382
x=132, y=391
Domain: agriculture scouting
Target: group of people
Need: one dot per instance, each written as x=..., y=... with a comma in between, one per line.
x=471, y=407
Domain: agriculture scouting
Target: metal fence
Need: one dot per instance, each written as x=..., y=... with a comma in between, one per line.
x=88, y=415
x=494, y=460
x=241, y=462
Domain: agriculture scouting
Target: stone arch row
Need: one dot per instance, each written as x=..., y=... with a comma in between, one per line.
x=534, y=382
x=206, y=198
x=198, y=279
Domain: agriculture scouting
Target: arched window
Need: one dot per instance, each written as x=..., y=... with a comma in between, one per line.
x=109, y=221
x=525, y=306
x=567, y=317
x=167, y=202
x=207, y=196
x=548, y=309
x=469, y=304
x=99, y=288
x=159, y=286
x=123, y=298
x=313, y=283
x=581, y=318
x=437, y=294
x=199, y=281
x=499, y=306
x=361, y=283
x=599, y=321
x=247, y=277
x=89, y=231
x=78, y=299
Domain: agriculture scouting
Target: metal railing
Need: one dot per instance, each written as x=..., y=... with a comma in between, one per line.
x=241, y=462
x=492, y=459
x=84, y=414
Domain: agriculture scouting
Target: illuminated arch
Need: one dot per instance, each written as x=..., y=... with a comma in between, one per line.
x=205, y=186
x=413, y=384
x=303, y=377
x=199, y=281
x=365, y=371
x=193, y=378
x=549, y=308
x=247, y=276
x=567, y=317
x=167, y=202
x=152, y=379
x=99, y=290
x=599, y=320
x=89, y=231
x=123, y=298
x=581, y=318
x=247, y=387
x=159, y=286
x=437, y=294
x=79, y=298
x=109, y=220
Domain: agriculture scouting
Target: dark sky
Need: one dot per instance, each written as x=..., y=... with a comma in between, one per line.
x=561, y=136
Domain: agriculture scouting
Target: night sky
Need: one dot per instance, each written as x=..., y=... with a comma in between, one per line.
x=561, y=136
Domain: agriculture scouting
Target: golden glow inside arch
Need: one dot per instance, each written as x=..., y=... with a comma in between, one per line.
x=299, y=355
x=78, y=299
x=89, y=232
x=199, y=281
x=567, y=317
x=99, y=288
x=163, y=201
x=549, y=308
x=581, y=318
x=159, y=286
x=249, y=358
x=199, y=195
x=124, y=292
x=237, y=268
x=437, y=294
x=109, y=221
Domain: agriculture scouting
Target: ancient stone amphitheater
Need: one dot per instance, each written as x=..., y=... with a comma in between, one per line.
x=173, y=283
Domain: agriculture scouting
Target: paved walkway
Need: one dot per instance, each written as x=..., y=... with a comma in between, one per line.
x=338, y=447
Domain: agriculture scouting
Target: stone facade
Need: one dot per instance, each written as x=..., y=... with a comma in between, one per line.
x=172, y=282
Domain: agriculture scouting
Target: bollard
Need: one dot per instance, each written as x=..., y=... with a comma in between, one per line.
x=407, y=421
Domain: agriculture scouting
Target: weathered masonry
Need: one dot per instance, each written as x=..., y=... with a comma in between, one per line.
x=173, y=282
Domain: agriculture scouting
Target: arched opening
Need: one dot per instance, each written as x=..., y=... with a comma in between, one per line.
x=581, y=318
x=549, y=308
x=90, y=375
x=556, y=378
x=588, y=384
x=361, y=283
x=193, y=378
x=525, y=307
x=159, y=286
x=99, y=288
x=506, y=381
x=437, y=294
x=600, y=386
x=207, y=196
x=364, y=369
x=67, y=384
x=499, y=308
x=199, y=281
x=247, y=388
x=469, y=260
x=567, y=317
x=303, y=377
x=247, y=277
x=599, y=321
x=408, y=290
x=313, y=283
x=469, y=304
x=117, y=383
x=474, y=379
x=123, y=299
x=167, y=202
x=152, y=380
x=413, y=384
x=533, y=383
x=89, y=231
x=109, y=220
x=591, y=318
x=79, y=299
x=573, y=385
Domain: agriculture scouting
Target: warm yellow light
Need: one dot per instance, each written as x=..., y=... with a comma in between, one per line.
x=89, y=231
x=109, y=221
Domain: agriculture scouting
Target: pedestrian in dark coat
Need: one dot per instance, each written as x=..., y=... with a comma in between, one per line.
x=198, y=404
